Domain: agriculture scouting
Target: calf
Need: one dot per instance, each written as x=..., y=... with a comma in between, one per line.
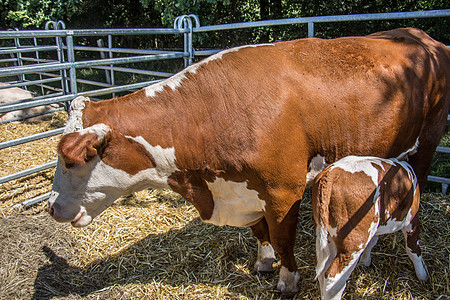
x=355, y=200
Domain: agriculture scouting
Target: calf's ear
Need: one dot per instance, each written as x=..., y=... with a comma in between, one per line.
x=78, y=148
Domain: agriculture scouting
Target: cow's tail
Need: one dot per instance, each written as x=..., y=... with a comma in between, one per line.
x=321, y=200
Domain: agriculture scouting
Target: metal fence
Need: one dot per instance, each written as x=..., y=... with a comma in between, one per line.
x=50, y=62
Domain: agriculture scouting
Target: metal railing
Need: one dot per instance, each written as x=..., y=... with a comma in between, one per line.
x=53, y=66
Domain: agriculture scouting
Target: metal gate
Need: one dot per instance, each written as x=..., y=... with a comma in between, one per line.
x=51, y=62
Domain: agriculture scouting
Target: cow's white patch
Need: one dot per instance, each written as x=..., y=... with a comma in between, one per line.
x=387, y=213
x=409, y=152
x=96, y=185
x=265, y=259
x=235, y=204
x=175, y=81
x=334, y=286
x=75, y=121
x=365, y=257
x=411, y=174
x=332, y=231
x=101, y=130
x=355, y=164
x=393, y=225
x=288, y=281
x=316, y=165
x=376, y=200
x=419, y=267
x=325, y=251
x=164, y=157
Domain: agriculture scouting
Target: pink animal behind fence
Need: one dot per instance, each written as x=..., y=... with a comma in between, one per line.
x=355, y=200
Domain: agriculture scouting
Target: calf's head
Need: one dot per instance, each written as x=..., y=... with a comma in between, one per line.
x=98, y=164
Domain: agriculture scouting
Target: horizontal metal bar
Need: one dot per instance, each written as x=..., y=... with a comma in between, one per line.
x=29, y=49
x=35, y=103
x=7, y=60
x=118, y=88
x=40, y=60
x=91, y=82
x=439, y=179
x=31, y=138
x=28, y=172
x=87, y=63
x=30, y=82
x=323, y=19
x=443, y=149
x=32, y=201
x=137, y=71
x=65, y=98
x=88, y=32
x=122, y=50
x=16, y=102
x=9, y=34
x=55, y=89
x=206, y=52
x=30, y=100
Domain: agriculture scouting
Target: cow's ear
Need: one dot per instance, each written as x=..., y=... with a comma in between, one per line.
x=78, y=148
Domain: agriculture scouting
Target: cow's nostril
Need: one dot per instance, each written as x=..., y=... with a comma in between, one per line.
x=51, y=210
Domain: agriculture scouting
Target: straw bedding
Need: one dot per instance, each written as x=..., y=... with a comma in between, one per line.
x=152, y=245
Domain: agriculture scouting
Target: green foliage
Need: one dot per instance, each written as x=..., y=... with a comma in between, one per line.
x=34, y=13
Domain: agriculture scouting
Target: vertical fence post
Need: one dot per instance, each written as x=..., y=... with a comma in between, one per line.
x=60, y=53
x=310, y=29
x=19, y=57
x=111, y=67
x=103, y=56
x=38, y=61
x=185, y=22
x=71, y=59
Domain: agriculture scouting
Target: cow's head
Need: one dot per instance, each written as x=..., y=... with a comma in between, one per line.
x=98, y=164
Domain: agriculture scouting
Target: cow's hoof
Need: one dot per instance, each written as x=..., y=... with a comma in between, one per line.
x=287, y=284
x=264, y=266
x=280, y=295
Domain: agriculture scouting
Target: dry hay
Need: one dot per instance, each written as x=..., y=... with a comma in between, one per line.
x=154, y=246
x=25, y=156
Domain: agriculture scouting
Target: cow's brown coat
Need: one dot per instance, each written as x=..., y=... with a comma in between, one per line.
x=261, y=114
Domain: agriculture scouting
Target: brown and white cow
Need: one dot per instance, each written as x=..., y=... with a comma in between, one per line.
x=355, y=200
x=242, y=133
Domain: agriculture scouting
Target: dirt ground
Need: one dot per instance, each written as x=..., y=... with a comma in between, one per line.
x=153, y=246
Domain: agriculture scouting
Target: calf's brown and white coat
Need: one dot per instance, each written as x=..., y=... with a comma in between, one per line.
x=355, y=200
x=242, y=133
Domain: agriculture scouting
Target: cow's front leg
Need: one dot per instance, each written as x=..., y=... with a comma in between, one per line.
x=282, y=237
x=266, y=253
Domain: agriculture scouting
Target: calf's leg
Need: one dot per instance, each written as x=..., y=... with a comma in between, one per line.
x=337, y=274
x=411, y=232
x=365, y=257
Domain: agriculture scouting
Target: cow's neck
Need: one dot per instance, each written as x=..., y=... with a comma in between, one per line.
x=167, y=120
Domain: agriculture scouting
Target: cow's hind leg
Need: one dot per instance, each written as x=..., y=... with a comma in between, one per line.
x=266, y=254
x=411, y=232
